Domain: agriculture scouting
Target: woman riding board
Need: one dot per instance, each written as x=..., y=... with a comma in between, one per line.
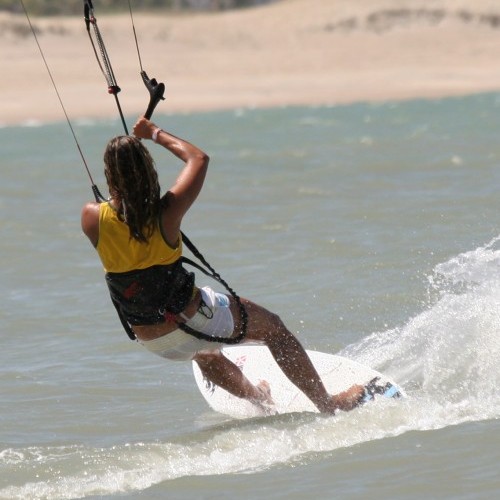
x=137, y=236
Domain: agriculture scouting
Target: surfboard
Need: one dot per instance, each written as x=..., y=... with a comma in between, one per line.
x=256, y=362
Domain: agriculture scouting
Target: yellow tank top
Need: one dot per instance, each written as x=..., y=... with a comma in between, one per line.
x=119, y=253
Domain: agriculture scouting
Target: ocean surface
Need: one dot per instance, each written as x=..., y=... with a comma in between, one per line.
x=372, y=230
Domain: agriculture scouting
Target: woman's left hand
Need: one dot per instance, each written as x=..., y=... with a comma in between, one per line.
x=144, y=128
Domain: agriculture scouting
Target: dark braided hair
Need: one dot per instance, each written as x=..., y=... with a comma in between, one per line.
x=132, y=177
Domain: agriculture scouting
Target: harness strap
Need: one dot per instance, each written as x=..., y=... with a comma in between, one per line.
x=216, y=276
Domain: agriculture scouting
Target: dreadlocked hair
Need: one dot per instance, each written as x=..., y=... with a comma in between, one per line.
x=132, y=177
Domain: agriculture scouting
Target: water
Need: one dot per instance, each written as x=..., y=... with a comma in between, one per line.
x=371, y=229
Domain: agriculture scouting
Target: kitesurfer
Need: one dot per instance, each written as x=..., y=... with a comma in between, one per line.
x=137, y=236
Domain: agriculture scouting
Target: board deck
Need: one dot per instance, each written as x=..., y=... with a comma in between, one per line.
x=256, y=362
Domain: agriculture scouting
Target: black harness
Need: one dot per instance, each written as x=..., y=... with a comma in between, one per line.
x=181, y=283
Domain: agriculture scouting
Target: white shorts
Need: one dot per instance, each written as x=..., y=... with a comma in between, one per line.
x=213, y=318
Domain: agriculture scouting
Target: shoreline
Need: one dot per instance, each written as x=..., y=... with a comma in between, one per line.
x=290, y=53
x=97, y=116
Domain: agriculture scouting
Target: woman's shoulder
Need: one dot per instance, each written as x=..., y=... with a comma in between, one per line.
x=91, y=209
x=90, y=221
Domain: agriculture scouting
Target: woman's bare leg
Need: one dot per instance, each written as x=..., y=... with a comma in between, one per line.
x=221, y=371
x=293, y=360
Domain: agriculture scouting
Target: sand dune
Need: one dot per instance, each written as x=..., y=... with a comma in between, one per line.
x=294, y=52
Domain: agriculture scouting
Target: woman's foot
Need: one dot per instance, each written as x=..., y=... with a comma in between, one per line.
x=349, y=399
x=264, y=401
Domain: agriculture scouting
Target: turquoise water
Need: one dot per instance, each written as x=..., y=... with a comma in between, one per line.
x=371, y=229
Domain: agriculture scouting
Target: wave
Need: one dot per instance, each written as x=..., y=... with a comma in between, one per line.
x=448, y=355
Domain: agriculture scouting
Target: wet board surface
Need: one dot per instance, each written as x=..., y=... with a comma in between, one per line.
x=256, y=362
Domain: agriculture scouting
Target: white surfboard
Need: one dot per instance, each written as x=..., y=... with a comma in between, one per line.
x=256, y=362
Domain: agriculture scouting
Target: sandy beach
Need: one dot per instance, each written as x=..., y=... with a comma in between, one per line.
x=294, y=52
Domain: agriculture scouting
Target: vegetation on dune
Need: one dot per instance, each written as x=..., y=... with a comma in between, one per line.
x=55, y=7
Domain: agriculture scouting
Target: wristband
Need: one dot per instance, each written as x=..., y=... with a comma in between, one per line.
x=156, y=131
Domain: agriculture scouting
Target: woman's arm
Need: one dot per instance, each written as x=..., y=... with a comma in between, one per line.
x=188, y=185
